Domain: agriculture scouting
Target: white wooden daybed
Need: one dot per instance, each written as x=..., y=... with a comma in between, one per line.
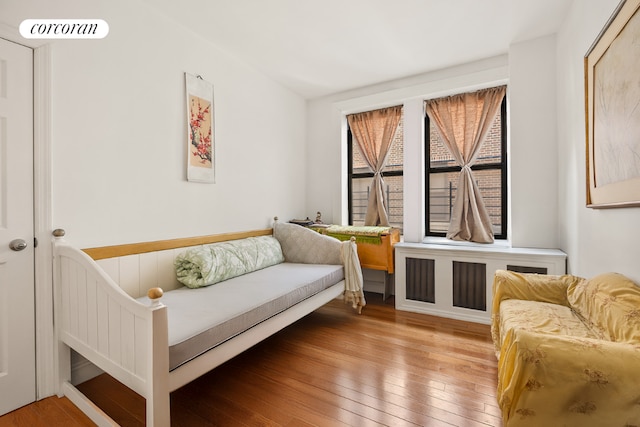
x=102, y=315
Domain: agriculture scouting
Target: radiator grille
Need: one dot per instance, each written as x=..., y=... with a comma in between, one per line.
x=420, y=281
x=524, y=269
x=470, y=285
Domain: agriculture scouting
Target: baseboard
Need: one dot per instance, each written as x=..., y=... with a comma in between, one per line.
x=463, y=314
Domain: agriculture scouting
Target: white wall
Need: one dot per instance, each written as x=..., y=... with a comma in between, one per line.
x=532, y=151
x=119, y=131
x=529, y=70
x=597, y=240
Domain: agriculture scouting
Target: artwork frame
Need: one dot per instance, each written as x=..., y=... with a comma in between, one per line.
x=200, y=144
x=612, y=107
x=612, y=91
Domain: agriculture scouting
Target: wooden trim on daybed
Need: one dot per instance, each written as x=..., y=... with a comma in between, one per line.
x=161, y=245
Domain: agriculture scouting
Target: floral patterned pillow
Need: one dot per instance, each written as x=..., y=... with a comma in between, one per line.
x=610, y=305
x=209, y=264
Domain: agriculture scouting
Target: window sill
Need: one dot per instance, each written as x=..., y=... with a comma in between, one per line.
x=442, y=245
x=432, y=240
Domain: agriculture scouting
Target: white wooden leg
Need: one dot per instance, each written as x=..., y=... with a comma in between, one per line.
x=63, y=375
x=158, y=400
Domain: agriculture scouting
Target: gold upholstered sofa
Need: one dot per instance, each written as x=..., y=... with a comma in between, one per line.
x=568, y=349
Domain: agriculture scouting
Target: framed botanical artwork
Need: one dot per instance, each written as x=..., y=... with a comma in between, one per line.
x=612, y=95
x=200, y=130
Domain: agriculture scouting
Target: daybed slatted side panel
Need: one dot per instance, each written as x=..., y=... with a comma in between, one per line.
x=138, y=267
x=102, y=322
x=64, y=316
x=130, y=275
x=96, y=322
x=148, y=265
x=136, y=274
x=113, y=330
x=166, y=272
x=92, y=314
x=80, y=300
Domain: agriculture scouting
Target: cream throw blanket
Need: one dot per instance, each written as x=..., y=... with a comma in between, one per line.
x=302, y=245
x=352, y=275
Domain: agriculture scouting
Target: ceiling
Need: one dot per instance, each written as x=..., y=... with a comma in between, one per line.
x=317, y=48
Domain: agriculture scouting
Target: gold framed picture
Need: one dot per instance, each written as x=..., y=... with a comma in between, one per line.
x=612, y=98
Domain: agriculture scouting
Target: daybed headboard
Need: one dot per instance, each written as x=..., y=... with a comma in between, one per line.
x=138, y=267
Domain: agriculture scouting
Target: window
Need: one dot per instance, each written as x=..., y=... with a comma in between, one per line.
x=360, y=178
x=489, y=170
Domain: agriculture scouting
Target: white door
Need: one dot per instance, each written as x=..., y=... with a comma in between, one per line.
x=17, y=313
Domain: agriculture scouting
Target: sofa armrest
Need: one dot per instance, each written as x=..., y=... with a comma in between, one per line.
x=531, y=287
x=528, y=287
x=548, y=379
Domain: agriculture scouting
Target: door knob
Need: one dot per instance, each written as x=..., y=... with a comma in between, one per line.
x=17, y=245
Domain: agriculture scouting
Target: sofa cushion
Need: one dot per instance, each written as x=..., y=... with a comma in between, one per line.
x=610, y=305
x=303, y=245
x=541, y=317
x=205, y=265
x=201, y=319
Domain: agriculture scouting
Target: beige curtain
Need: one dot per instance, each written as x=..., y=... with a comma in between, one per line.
x=374, y=132
x=463, y=121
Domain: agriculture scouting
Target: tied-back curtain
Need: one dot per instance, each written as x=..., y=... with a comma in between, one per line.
x=374, y=132
x=463, y=121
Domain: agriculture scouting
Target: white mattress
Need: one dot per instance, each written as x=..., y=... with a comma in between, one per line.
x=200, y=319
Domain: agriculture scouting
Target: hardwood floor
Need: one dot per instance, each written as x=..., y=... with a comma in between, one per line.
x=331, y=368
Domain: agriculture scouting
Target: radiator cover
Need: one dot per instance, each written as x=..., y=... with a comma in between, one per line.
x=455, y=281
